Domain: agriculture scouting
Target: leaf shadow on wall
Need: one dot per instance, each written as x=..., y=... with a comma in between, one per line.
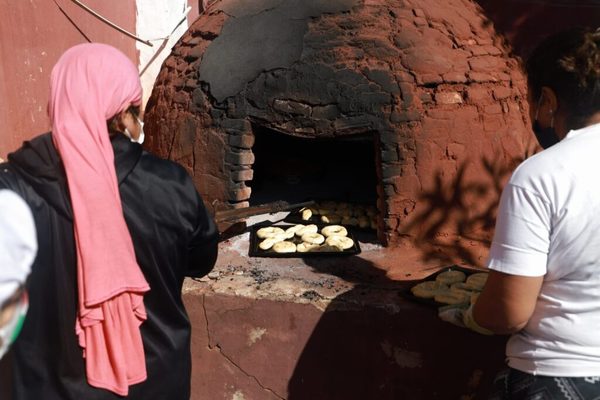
x=455, y=218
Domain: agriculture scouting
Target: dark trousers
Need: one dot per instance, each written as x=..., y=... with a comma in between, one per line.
x=512, y=384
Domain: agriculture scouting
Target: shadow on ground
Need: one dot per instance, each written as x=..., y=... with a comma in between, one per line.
x=370, y=343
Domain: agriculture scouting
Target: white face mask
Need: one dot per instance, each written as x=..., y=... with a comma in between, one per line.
x=10, y=331
x=141, y=137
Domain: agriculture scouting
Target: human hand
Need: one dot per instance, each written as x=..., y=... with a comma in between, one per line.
x=470, y=323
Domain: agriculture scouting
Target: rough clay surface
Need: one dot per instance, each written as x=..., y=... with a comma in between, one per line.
x=429, y=79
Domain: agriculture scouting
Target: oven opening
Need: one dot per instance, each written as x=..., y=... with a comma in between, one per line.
x=299, y=169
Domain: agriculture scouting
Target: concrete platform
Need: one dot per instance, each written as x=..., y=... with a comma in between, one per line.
x=329, y=328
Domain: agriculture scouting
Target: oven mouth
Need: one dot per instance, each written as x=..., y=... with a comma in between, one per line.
x=296, y=169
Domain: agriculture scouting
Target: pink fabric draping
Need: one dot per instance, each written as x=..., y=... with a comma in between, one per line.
x=89, y=84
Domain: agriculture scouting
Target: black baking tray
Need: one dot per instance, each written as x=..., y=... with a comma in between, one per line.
x=255, y=251
x=407, y=294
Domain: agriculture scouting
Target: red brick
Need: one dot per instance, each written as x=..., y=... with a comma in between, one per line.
x=493, y=109
x=419, y=13
x=429, y=79
x=502, y=93
x=478, y=94
x=448, y=98
x=454, y=77
x=493, y=50
x=240, y=158
x=242, y=175
x=240, y=193
x=435, y=38
x=486, y=63
x=420, y=21
x=478, y=50
x=427, y=60
x=482, y=77
x=402, y=76
x=241, y=141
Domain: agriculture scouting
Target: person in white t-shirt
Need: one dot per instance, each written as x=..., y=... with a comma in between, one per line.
x=18, y=248
x=544, y=283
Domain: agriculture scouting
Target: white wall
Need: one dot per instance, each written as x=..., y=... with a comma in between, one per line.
x=156, y=20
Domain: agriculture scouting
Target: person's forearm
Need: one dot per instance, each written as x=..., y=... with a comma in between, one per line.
x=496, y=321
x=507, y=302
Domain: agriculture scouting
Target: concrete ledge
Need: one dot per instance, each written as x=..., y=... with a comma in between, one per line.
x=327, y=328
x=262, y=349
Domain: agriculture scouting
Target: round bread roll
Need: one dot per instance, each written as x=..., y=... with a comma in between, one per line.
x=428, y=289
x=306, y=247
x=313, y=238
x=373, y=224
x=329, y=205
x=345, y=213
x=477, y=281
x=293, y=229
x=460, y=287
x=307, y=214
x=331, y=219
x=282, y=236
x=284, y=247
x=450, y=277
x=352, y=221
x=334, y=230
x=450, y=297
x=267, y=243
x=358, y=211
x=371, y=211
x=364, y=222
x=312, y=228
x=474, y=297
x=268, y=231
x=344, y=206
x=342, y=242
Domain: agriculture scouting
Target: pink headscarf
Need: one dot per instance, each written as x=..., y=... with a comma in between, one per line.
x=89, y=84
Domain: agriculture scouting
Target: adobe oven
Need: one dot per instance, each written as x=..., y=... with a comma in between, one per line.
x=415, y=106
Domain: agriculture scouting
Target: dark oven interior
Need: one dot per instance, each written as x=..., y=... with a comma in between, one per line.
x=296, y=169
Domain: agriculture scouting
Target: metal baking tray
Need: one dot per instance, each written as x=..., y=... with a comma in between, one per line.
x=255, y=251
x=407, y=294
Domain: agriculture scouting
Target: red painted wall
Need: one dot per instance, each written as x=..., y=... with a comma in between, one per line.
x=33, y=35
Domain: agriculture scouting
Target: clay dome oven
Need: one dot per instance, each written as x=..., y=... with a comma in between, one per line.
x=415, y=106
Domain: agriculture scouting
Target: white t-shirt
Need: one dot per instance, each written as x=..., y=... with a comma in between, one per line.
x=549, y=224
x=18, y=242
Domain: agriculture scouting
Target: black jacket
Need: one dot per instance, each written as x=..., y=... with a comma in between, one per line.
x=173, y=236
